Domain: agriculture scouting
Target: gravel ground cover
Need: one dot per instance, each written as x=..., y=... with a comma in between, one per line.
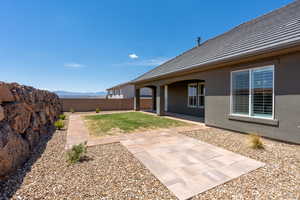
x=279, y=179
x=113, y=173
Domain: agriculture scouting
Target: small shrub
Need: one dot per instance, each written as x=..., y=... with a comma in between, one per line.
x=72, y=110
x=97, y=110
x=59, y=124
x=256, y=142
x=77, y=153
x=62, y=117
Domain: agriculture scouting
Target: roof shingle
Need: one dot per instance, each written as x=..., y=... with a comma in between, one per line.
x=276, y=28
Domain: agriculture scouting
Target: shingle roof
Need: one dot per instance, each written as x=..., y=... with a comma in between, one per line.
x=274, y=29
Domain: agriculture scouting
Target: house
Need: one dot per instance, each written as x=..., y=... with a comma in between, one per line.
x=246, y=80
x=126, y=91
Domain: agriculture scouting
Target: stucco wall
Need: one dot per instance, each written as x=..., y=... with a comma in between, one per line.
x=217, y=100
x=84, y=105
x=287, y=100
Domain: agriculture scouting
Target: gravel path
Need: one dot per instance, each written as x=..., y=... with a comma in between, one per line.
x=113, y=173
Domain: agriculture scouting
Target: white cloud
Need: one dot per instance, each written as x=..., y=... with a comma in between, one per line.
x=73, y=65
x=146, y=62
x=133, y=56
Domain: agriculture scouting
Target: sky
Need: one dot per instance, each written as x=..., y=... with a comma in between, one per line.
x=88, y=46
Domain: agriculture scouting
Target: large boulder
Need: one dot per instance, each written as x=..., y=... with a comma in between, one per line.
x=26, y=113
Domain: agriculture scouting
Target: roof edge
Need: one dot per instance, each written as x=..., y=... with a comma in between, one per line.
x=120, y=85
x=232, y=58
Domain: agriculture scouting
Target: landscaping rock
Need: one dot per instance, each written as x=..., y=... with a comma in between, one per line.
x=25, y=114
x=2, y=116
x=14, y=150
x=5, y=94
x=111, y=172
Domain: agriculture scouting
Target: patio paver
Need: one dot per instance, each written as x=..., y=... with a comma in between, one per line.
x=185, y=165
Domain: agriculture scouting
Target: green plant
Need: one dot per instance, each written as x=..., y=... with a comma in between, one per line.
x=97, y=110
x=59, y=124
x=256, y=142
x=72, y=110
x=62, y=117
x=77, y=153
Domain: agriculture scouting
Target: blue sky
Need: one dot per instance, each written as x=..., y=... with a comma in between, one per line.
x=88, y=46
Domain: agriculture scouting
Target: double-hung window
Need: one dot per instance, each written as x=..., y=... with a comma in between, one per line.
x=201, y=94
x=196, y=95
x=192, y=95
x=252, y=92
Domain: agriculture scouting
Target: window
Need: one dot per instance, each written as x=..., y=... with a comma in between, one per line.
x=252, y=92
x=196, y=95
x=240, y=92
x=192, y=95
x=201, y=94
x=118, y=92
x=262, y=92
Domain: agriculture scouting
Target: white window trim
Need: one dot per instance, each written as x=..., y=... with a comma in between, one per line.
x=198, y=99
x=250, y=93
x=188, y=100
x=166, y=98
x=197, y=84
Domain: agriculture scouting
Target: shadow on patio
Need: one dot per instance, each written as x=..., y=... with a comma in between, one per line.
x=183, y=117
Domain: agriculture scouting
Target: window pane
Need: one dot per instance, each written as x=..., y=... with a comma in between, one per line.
x=200, y=94
x=262, y=92
x=240, y=92
x=192, y=92
x=201, y=89
x=201, y=100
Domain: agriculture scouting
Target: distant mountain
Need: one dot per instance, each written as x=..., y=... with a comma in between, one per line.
x=66, y=94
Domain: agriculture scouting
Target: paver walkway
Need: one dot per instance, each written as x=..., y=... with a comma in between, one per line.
x=77, y=132
x=185, y=165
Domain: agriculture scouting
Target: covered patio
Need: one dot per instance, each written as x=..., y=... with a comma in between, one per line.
x=182, y=117
x=182, y=99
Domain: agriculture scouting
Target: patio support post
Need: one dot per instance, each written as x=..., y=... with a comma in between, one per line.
x=153, y=99
x=137, y=99
x=160, y=100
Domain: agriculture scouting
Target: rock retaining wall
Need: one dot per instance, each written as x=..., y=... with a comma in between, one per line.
x=26, y=114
